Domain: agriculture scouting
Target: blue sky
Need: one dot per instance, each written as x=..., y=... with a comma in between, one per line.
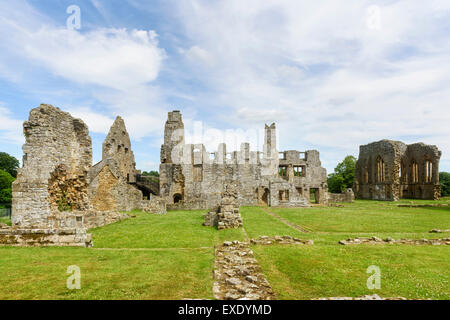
x=332, y=75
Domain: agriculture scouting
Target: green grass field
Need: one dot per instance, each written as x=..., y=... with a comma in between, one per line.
x=171, y=256
x=5, y=220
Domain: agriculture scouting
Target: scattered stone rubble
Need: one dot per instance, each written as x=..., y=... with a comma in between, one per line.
x=434, y=205
x=227, y=215
x=366, y=297
x=375, y=240
x=238, y=275
x=265, y=240
x=77, y=237
x=439, y=231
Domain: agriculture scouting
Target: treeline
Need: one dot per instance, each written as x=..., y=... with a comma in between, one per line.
x=344, y=177
x=444, y=180
x=8, y=173
x=151, y=174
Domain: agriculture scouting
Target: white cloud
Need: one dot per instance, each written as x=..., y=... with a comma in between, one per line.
x=116, y=68
x=10, y=128
x=142, y=107
x=200, y=56
x=96, y=122
x=329, y=80
x=114, y=58
x=108, y=57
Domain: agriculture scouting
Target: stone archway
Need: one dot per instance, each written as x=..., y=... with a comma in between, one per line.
x=177, y=198
x=265, y=197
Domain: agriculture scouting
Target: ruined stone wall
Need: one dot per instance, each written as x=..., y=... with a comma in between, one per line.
x=58, y=155
x=58, y=194
x=194, y=179
x=420, y=154
x=46, y=238
x=309, y=176
x=369, y=186
x=347, y=196
x=404, y=171
x=111, y=180
x=109, y=190
x=155, y=205
x=117, y=146
x=226, y=216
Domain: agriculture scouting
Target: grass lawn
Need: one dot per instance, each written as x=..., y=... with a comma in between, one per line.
x=310, y=272
x=176, y=229
x=40, y=273
x=329, y=269
x=368, y=216
x=5, y=220
x=171, y=256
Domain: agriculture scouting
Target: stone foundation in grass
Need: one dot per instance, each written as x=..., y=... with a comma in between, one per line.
x=439, y=231
x=375, y=240
x=45, y=237
x=434, y=205
x=265, y=240
x=237, y=274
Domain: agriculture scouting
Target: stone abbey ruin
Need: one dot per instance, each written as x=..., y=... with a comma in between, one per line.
x=59, y=194
x=193, y=178
x=391, y=170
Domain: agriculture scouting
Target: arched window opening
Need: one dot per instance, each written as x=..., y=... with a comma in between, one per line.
x=402, y=174
x=380, y=170
x=414, y=172
x=366, y=176
x=429, y=171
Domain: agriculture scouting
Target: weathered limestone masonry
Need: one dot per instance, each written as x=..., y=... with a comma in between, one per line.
x=46, y=237
x=347, y=196
x=227, y=215
x=50, y=193
x=110, y=179
x=265, y=240
x=375, y=240
x=113, y=181
x=391, y=170
x=237, y=274
x=192, y=178
x=58, y=195
x=58, y=155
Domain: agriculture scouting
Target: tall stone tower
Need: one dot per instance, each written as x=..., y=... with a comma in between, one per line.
x=270, y=159
x=173, y=137
x=171, y=177
x=117, y=146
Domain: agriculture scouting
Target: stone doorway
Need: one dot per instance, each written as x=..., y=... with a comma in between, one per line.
x=177, y=198
x=314, y=195
x=265, y=197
